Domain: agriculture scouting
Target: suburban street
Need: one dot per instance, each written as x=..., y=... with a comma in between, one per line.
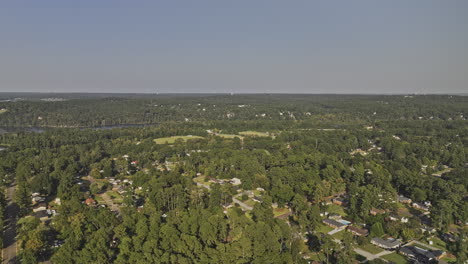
x=9, y=235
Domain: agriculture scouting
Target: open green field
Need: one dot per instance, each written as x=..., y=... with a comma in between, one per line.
x=172, y=140
x=3, y=111
x=254, y=134
x=229, y=136
x=396, y=258
x=371, y=248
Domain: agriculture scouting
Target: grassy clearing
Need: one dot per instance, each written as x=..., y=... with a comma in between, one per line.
x=254, y=134
x=229, y=136
x=396, y=258
x=114, y=195
x=3, y=111
x=280, y=211
x=438, y=243
x=172, y=140
x=371, y=248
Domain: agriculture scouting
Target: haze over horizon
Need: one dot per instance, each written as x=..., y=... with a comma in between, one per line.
x=333, y=47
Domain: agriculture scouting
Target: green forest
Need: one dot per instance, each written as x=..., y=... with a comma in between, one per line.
x=236, y=178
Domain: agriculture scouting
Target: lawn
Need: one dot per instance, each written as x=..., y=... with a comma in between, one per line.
x=99, y=199
x=3, y=111
x=371, y=248
x=339, y=235
x=324, y=229
x=396, y=258
x=450, y=259
x=171, y=140
x=116, y=198
x=254, y=134
x=438, y=243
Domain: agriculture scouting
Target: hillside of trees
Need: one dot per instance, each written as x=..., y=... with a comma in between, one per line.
x=176, y=206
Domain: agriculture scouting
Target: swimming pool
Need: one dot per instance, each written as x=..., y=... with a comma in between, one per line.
x=344, y=222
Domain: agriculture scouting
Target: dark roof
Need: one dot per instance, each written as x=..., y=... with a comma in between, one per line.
x=420, y=253
x=41, y=214
x=407, y=251
x=333, y=223
x=389, y=243
x=358, y=230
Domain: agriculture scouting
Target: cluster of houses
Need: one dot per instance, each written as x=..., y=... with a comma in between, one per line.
x=335, y=221
x=40, y=208
x=233, y=181
x=119, y=185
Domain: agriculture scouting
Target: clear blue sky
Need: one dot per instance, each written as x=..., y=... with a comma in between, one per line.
x=329, y=46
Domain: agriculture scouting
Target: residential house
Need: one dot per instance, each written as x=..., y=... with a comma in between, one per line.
x=420, y=206
x=339, y=201
x=333, y=223
x=90, y=201
x=447, y=237
x=421, y=255
x=390, y=243
x=42, y=215
x=236, y=181
x=334, y=216
x=358, y=231
x=394, y=217
x=375, y=211
x=403, y=199
x=40, y=207
x=38, y=199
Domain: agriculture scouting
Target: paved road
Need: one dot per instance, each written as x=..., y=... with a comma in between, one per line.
x=243, y=205
x=9, y=234
x=234, y=199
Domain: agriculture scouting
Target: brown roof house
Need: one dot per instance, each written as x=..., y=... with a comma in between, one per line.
x=358, y=231
x=90, y=201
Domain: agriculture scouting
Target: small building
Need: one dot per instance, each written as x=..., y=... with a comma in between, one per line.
x=447, y=237
x=339, y=201
x=333, y=223
x=394, y=217
x=375, y=211
x=334, y=216
x=38, y=199
x=90, y=201
x=358, y=231
x=420, y=206
x=42, y=215
x=236, y=181
x=391, y=243
x=403, y=199
x=40, y=207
